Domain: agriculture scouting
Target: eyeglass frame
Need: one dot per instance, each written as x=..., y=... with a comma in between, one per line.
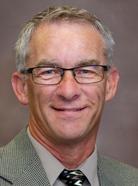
x=27, y=71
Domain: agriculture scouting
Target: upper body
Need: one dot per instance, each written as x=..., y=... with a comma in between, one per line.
x=21, y=166
x=65, y=75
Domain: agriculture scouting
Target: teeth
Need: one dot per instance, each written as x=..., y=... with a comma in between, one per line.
x=68, y=109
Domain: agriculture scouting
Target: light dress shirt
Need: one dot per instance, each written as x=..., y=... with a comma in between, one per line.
x=53, y=167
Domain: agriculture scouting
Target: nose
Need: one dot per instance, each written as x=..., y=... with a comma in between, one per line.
x=68, y=89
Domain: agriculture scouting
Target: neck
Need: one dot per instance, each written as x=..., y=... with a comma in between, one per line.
x=71, y=155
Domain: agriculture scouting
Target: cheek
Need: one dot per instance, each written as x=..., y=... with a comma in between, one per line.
x=39, y=97
x=95, y=93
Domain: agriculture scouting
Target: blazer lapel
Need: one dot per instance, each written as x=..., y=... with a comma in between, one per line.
x=33, y=175
x=20, y=163
x=104, y=180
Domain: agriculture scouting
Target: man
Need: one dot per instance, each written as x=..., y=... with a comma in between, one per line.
x=65, y=76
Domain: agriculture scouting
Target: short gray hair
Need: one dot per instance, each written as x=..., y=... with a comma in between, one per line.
x=54, y=14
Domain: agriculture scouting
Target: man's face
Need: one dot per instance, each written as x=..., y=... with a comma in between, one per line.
x=68, y=111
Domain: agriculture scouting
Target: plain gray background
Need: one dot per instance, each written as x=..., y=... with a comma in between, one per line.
x=118, y=133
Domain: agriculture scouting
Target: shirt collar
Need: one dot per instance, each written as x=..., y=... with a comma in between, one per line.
x=53, y=167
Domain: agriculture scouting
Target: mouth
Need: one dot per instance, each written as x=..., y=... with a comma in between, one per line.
x=69, y=113
x=72, y=109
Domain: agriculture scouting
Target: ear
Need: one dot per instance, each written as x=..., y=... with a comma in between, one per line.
x=112, y=83
x=20, y=87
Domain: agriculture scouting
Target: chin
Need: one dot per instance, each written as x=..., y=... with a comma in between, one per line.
x=71, y=135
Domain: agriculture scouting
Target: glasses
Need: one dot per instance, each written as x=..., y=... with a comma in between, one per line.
x=49, y=75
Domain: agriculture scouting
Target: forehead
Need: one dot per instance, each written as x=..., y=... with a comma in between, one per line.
x=65, y=42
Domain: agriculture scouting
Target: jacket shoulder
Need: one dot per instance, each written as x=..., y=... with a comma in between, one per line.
x=118, y=172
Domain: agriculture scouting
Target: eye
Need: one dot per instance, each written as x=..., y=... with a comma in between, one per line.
x=84, y=71
x=46, y=72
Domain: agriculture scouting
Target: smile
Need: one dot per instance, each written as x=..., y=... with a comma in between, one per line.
x=69, y=113
x=62, y=109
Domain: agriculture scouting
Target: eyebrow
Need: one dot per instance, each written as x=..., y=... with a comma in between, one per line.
x=87, y=62
x=45, y=62
x=53, y=63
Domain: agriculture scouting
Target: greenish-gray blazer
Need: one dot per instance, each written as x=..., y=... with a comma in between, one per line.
x=20, y=166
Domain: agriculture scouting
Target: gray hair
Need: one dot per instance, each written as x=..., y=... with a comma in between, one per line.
x=54, y=14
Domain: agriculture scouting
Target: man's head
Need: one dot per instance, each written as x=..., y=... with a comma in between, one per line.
x=62, y=58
